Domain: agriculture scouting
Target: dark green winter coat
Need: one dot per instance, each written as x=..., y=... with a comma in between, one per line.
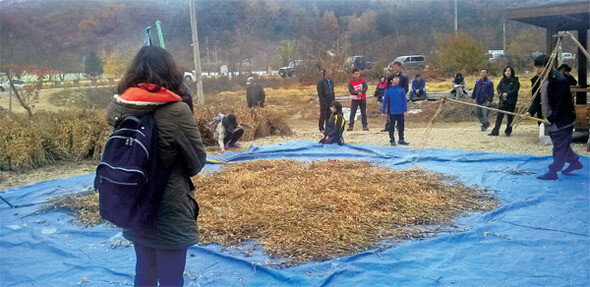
x=179, y=150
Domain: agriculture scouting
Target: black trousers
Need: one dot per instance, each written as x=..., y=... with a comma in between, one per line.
x=231, y=138
x=562, y=150
x=324, y=115
x=354, y=104
x=500, y=117
x=393, y=119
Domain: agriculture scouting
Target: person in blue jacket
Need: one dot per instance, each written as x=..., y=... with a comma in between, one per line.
x=418, y=88
x=483, y=93
x=395, y=106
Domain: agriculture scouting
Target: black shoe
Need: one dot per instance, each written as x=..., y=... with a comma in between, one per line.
x=392, y=143
x=365, y=129
x=548, y=176
x=572, y=167
x=493, y=134
x=485, y=127
x=384, y=130
x=403, y=142
x=507, y=132
x=349, y=129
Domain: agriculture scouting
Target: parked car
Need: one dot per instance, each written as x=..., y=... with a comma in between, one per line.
x=568, y=56
x=410, y=62
x=294, y=67
x=190, y=76
x=357, y=62
x=5, y=85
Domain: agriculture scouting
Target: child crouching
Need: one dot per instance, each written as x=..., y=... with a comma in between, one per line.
x=335, y=126
x=395, y=107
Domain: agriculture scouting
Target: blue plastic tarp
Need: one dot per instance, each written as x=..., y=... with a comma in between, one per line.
x=540, y=236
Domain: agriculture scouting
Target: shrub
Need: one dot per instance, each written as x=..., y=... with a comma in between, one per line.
x=458, y=53
x=50, y=136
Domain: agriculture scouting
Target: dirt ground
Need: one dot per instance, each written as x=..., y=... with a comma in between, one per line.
x=444, y=135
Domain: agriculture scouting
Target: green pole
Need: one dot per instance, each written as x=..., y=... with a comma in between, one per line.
x=160, y=36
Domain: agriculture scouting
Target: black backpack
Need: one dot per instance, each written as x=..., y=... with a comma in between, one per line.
x=128, y=180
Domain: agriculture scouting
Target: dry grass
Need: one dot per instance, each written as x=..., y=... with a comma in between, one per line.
x=257, y=122
x=83, y=206
x=50, y=136
x=321, y=210
x=302, y=211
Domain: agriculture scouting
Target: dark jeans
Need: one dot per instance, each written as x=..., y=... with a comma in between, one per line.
x=231, y=138
x=153, y=265
x=500, y=117
x=393, y=118
x=562, y=150
x=354, y=104
x=419, y=94
x=324, y=115
x=482, y=115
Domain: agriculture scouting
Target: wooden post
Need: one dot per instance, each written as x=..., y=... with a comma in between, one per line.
x=9, y=92
x=581, y=97
x=196, y=56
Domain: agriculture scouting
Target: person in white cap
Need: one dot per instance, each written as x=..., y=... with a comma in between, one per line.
x=254, y=94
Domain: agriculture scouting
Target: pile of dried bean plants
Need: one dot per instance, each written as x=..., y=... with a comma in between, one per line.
x=321, y=210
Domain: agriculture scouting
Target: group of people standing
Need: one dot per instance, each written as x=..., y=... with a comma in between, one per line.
x=390, y=91
x=553, y=102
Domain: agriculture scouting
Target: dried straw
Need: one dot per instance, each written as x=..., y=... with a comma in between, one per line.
x=321, y=210
x=317, y=210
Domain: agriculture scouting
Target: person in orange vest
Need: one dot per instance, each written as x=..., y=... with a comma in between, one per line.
x=357, y=87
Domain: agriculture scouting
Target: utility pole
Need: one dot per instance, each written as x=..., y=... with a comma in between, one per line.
x=196, y=55
x=455, y=16
x=504, y=34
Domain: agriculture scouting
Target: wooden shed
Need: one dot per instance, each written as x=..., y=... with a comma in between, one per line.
x=556, y=16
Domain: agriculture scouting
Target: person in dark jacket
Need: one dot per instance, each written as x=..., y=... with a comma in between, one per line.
x=483, y=93
x=357, y=87
x=403, y=83
x=325, y=97
x=535, y=108
x=254, y=94
x=395, y=106
x=418, y=88
x=507, y=96
x=153, y=84
x=380, y=89
x=558, y=109
x=565, y=70
x=335, y=125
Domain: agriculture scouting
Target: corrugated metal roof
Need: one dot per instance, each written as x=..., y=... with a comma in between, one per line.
x=527, y=4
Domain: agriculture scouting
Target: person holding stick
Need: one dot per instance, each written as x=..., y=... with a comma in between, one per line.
x=507, y=97
x=559, y=115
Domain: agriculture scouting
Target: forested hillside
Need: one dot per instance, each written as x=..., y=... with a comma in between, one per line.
x=57, y=35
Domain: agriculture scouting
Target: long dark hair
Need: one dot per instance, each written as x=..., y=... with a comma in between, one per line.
x=153, y=65
x=338, y=106
x=512, y=74
x=230, y=123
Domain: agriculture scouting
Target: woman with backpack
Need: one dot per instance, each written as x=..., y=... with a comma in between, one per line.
x=153, y=85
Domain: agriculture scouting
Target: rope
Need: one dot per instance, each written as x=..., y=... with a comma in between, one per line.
x=540, y=80
x=494, y=109
x=429, y=128
x=584, y=51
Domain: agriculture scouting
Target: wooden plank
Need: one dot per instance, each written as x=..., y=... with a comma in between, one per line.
x=582, y=117
x=547, y=11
